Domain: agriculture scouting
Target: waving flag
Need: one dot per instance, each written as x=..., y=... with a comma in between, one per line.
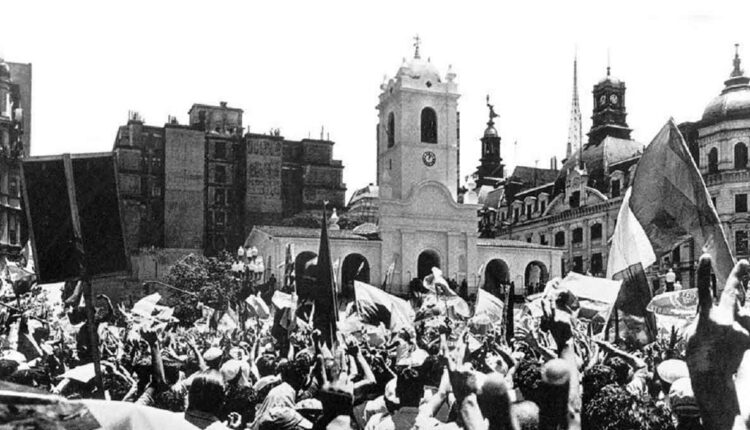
x=375, y=306
x=489, y=305
x=667, y=204
x=443, y=293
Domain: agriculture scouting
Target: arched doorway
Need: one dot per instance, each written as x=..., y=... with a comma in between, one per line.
x=426, y=261
x=355, y=267
x=496, y=277
x=536, y=277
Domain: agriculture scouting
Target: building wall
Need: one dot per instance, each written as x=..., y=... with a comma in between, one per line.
x=263, y=191
x=21, y=76
x=224, y=192
x=275, y=248
x=184, y=165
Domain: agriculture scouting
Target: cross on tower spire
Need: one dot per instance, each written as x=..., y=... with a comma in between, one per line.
x=417, y=42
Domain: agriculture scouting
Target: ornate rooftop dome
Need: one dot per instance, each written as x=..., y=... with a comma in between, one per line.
x=734, y=100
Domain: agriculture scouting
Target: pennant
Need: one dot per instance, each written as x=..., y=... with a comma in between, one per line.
x=326, y=313
x=438, y=286
x=258, y=307
x=375, y=306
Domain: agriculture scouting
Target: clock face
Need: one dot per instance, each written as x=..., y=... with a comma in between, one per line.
x=428, y=158
x=602, y=99
x=613, y=98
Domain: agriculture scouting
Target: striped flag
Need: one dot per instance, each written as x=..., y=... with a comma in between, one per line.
x=667, y=203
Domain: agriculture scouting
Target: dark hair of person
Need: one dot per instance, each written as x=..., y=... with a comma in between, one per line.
x=266, y=365
x=527, y=377
x=294, y=372
x=207, y=392
x=621, y=368
x=170, y=400
x=494, y=402
x=409, y=387
x=594, y=379
x=553, y=405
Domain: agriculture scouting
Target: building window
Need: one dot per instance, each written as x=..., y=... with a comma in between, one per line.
x=578, y=264
x=713, y=160
x=528, y=238
x=740, y=203
x=155, y=191
x=615, y=188
x=713, y=201
x=529, y=210
x=577, y=235
x=12, y=230
x=515, y=214
x=740, y=156
x=676, y=255
x=575, y=199
x=13, y=187
x=536, y=205
x=219, y=218
x=596, y=264
x=429, y=125
x=740, y=242
x=560, y=238
x=219, y=197
x=562, y=266
x=220, y=150
x=391, y=130
x=544, y=205
x=220, y=174
x=596, y=231
x=542, y=239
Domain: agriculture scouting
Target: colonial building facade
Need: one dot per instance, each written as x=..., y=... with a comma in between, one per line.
x=421, y=224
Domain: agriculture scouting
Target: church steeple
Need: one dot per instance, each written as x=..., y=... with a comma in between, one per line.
x=575, y=131
x=609, y=114
x=491, y=167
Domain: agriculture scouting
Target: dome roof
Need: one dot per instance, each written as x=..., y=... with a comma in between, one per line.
x=734, y=100
x=731, y=103
x=4, y=69
x=418, y=68
x=491, y=131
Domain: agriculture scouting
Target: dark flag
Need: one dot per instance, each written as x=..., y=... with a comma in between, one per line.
x=326, y=308
x=667, y=204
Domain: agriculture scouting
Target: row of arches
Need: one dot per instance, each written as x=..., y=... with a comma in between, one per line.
x=740, y=158
x=355, y=267
x=427, y=124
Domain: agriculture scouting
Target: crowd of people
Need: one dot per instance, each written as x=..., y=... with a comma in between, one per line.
x=442, y=371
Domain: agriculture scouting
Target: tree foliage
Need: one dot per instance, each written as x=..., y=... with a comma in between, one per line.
x=210, y=278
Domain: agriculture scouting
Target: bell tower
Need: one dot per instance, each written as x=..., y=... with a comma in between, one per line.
x=417, y=128
x=609, y=110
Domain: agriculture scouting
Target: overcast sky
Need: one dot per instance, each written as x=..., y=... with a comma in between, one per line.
x=299, y=65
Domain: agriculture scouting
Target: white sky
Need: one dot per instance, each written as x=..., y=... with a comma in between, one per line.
x=298, y=65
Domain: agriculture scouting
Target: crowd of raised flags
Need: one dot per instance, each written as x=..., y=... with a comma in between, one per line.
x=586, y=352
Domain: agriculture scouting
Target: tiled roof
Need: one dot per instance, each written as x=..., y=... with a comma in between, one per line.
x=533, y=176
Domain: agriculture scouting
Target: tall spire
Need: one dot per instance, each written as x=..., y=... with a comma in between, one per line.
x=417, y=42
x=737, y=71
x=608, y=63
x=575, y=133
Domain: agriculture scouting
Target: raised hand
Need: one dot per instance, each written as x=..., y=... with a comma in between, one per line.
x=715, y=347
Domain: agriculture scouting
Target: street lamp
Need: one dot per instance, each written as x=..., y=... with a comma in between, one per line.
x=488, y=216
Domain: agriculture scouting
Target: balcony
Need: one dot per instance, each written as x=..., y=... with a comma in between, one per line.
x=740, y=175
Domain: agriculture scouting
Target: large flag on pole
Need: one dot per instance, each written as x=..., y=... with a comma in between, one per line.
x=488, y=304
x=376, y=306
x=326, y=308
x=667, y=204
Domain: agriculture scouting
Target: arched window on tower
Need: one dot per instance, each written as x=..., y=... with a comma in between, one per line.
x=713, y=160
x=740, y=156
x=429, y=125
x=391, y=130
